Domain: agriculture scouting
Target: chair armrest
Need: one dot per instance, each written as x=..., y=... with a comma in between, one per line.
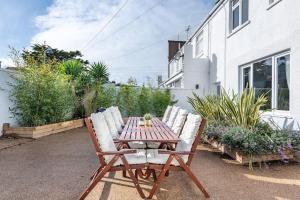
x=175, y=152
x=129, y=151
x=116, y=140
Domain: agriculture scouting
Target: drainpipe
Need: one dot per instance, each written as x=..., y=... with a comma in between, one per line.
x=225, y=46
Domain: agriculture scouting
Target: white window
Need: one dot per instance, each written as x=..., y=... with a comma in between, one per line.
x=270, y=76
x=199, y=44
x=239, y=13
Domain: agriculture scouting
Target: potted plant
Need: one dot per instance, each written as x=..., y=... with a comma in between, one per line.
x=147, y=119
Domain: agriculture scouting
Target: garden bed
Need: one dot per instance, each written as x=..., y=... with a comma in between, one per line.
x=244, y=159
x=41, y=131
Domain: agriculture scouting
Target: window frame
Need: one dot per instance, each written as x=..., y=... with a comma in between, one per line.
x=241, y=24
x=199, y=49
x=274, y=97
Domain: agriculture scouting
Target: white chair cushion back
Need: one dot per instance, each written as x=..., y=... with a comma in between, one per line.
x=179, y=121
x=116, y=118
x=167, y=114
x=172, y=117
x=103, y=135
x=189, y=132
x=111, y=124
x=118, y=114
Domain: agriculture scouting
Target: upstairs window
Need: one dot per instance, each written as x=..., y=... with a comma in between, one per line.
x=199, y=44
x=239, y=13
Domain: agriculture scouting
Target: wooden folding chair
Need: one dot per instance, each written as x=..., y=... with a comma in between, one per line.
x=183, y=166
x=109, y=167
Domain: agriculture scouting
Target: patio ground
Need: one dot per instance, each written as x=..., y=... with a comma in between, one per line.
x=59, y=167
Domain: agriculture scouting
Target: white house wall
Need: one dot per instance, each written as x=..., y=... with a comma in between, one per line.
x=216, y=50
x=269, y=32
x=195, y=71
x=5, y=115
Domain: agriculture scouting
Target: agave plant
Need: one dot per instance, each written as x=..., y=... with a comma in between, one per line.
x=244, y=111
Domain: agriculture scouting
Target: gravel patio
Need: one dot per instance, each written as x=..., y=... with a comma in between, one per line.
x=59, y=167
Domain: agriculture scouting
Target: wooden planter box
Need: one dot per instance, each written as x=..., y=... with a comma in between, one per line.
x=41, y=131
x=243, y=159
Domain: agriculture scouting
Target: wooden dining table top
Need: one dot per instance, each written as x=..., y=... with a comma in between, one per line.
x=158, y=132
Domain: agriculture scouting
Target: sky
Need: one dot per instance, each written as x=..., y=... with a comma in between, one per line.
x=133, y=42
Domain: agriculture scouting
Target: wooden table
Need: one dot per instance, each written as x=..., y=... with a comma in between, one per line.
x=158, y=132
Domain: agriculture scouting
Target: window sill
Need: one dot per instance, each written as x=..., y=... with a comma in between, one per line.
x=238, y=28
x=273, y=4
x=278, y=113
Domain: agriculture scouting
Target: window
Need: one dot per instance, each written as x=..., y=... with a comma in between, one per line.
x=271, y=77
x=199, y=44
x=239, y=13
x=283, y=82
x=262, y=80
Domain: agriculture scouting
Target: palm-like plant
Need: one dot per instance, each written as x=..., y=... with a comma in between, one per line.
x=244, y=111
x=208, y=107
x=99, y=72
x=74, y=68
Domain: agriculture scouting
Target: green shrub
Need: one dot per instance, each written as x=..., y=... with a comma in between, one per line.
x=128, y=100
x=245, y=140
x=215, y=129
x=144, y=100
x=107, y=96
x=161, y=99
x=42, y=96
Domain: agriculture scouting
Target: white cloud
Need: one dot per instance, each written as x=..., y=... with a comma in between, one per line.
x=70, y=24
x=6, y=62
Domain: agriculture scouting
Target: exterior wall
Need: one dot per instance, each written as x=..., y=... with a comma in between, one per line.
x=181, y=95
x=195, y=71
x=5, y=116
x=270, y=30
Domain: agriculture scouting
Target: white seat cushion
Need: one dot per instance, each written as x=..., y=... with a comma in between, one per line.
x=103, y=134
x=116, y=119
x=111, y=124
x=153, y=145
x=137, y=145
x=118, y=114
x=136, y=158
x=172, y=117
x=179, y=121
x=167, y=114
x=154, y=158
